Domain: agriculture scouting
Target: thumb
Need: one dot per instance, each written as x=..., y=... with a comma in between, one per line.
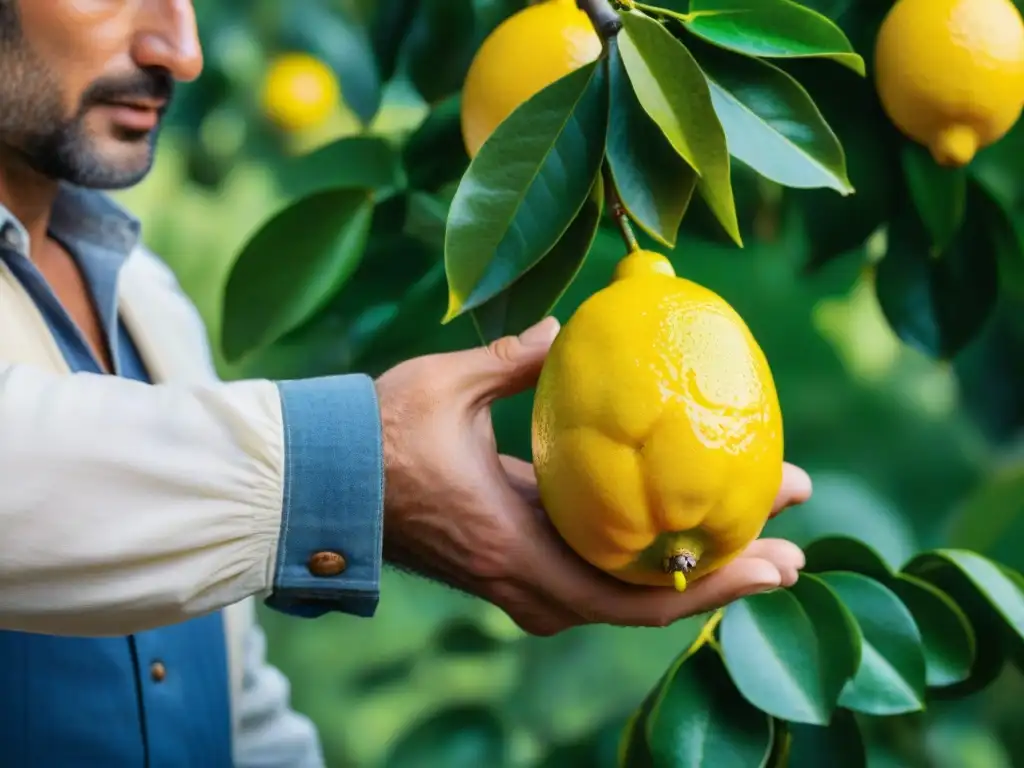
x=509, y=365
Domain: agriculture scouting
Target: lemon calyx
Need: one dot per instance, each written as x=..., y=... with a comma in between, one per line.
x=955, y=146
x=680, y=563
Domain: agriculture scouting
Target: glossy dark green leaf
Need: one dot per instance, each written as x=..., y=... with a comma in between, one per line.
x=532, y=297
x=464, y=736
x=525, y=187
x=1006, y=234
x=938, y=303
x=435, y=154
x=837, y=745
x=770, y=121
x=946, y=632
x=835, y=224
x=700, y=719
x=939, y=194
x=987, y=596
x=771, y=28
x=440, y=47
x=292, y=266
x=771, y=651
x=891, y=677
x=673, y=91
x=985, y=576
x=653, y=181
x=843, y=553
x=834, y=9
x=839, y=638
x=352, y=162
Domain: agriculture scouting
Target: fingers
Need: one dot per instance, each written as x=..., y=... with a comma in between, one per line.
x=786, y=556
x=796, y=488
x=505, y=367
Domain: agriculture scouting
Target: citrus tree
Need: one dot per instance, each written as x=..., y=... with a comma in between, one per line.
x=685, y=128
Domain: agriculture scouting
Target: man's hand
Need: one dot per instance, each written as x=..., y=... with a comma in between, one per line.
x=457, y=511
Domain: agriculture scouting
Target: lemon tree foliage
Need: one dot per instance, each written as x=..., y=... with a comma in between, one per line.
x=709, y=121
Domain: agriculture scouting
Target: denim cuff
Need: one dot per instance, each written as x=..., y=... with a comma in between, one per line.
x=330, y=551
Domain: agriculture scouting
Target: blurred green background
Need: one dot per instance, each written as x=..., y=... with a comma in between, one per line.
x=905, y=452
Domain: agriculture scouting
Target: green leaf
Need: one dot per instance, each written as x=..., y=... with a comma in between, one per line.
x=292, y=266
x=835, y=224
x=842, y=553
x=839, y=638
x=977, y=586
x=985, y=576
x=1006, y=234
x=771, y=123
x=700, y=719
x=837, y=745
x=946, y=632
x=435, y=154
x=939, y=194
x=352, y=162
x=834, y=9
x=938, y=303
x=771, y=29
x=891, y=676
x=388, y=29
x=440, y=47
x=654, y=183
x=525, y=187
x=674, y=92
x=462, y=736
x=532, y=297
x=771, y=651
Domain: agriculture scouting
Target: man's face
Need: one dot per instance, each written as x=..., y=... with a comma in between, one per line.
x=85, y=83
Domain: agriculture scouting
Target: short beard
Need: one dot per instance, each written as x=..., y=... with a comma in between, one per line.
x=34, y=127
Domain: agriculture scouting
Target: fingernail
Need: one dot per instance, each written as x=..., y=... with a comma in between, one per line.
x=543, y=332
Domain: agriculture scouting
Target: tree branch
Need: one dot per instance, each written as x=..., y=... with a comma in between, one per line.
x=603, y=16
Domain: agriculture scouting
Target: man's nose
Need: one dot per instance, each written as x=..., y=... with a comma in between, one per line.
x=167, y=38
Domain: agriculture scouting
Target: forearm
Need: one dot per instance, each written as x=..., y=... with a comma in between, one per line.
x=126, y=506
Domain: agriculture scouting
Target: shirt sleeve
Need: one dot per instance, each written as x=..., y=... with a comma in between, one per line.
x=330, y=549
x=271, y=733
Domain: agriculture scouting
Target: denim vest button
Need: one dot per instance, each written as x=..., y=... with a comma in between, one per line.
x=327, y=564
x=157, y=671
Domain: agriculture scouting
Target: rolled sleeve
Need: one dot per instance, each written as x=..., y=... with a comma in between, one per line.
x=333, y=498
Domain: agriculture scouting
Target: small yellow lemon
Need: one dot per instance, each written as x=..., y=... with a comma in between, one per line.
x=950, y=73
x=657, y=431
x=299, y=91
x=528, y=51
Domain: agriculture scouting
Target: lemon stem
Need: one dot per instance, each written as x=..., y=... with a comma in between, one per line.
x=618, y=211
x=605, y=19
x=679, y=564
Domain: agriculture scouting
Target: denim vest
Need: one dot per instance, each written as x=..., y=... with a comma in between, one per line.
x=155, y=699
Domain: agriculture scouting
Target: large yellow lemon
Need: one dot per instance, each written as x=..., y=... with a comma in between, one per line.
x=299, y=91
x=657, y=432
x=950, y=73
x=528, y=51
